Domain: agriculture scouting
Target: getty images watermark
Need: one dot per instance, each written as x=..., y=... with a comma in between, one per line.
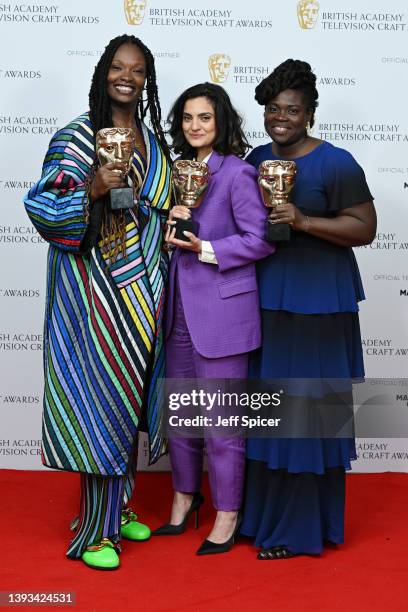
x=220, y=400
x=289, y=408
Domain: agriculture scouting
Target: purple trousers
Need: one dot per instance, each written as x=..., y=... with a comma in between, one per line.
x=225, y=455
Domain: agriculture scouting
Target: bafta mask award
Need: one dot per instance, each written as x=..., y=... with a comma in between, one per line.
x=219, y=65
x=190, y=180
x=135, y=11
x=307, y=11
x=276, y=180
x=117, y=145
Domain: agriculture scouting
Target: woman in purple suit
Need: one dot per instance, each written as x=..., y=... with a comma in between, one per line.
x=213, y=318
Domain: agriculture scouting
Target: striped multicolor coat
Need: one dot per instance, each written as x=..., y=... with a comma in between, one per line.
x=103, y=329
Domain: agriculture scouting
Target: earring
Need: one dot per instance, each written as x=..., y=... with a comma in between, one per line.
x=308, y=129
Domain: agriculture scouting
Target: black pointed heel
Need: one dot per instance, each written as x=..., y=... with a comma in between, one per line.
x=169, y=529
x=211, y=548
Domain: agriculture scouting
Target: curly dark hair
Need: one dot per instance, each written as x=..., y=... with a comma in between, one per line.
x=291, y=74
x=230, y=138
x=99, y=101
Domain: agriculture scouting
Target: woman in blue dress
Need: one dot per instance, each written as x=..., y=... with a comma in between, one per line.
x=310, y=289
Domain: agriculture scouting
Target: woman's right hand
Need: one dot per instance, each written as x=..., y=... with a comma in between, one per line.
x=107, y=177
x=179, y=212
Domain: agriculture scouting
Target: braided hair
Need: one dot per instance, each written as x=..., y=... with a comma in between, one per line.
x=291, y=74
x=113, y=224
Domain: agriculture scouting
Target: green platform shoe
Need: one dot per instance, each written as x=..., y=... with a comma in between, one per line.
x=103, y=556
x=131, y=529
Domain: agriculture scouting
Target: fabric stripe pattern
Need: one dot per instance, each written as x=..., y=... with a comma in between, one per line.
x=103, y=320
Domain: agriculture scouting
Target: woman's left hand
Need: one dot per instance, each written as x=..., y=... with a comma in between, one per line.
x=288, y=213
x=192, y=243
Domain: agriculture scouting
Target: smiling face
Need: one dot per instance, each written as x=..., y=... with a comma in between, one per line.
x=126, y=76
x=286, y=117
x=199, y=125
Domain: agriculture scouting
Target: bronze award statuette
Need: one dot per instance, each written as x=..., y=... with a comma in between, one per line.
x=276, y=180
x=117, y=145
x=190, y=180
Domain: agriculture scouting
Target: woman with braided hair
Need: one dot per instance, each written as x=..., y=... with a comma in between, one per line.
x=309, y=291
x=105, y=291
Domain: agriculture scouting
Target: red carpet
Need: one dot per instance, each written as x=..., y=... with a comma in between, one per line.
x=368, y=573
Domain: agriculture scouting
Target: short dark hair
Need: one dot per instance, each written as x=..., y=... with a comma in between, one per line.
x=99, y=101
x=291, y=74
x=230, y=137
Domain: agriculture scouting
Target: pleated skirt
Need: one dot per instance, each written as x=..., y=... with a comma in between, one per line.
x=295, y=487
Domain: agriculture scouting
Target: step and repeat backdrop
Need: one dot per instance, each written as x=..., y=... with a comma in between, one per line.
x=357, y=48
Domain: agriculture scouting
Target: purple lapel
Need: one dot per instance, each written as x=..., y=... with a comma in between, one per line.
x=215, y=162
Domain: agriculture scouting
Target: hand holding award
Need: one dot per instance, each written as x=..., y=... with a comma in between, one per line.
x=190, y=180
x=116, y=146
x=276, y=180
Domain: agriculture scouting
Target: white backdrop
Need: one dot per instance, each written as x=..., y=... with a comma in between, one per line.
x=358, y=49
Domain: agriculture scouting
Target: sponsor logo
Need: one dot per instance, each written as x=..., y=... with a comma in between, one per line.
x=41, y=14
x=19, y=234
x=307, y=12
x=20, y=447
x=195, y=18
x=135, y=11
x=379, y=450
x=390, y=277
x=19, y=293
x=251, y=75
x=361, y=132
x=337, y=81
x=16, y=184
x=367, y=22
x=84, y=52
x=394, y=60
x=393, y=170
x=257, y=135
x=166, y=54
x=309, y=16
x=386, y=242
x=221, y=68
x=21, y=342
x=382, y=347
x=28, y=124
x=12, y=73
x=18, y=399
x=402, y=397
x=219, y=65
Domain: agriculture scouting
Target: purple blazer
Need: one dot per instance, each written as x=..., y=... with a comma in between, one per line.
x=221, y=302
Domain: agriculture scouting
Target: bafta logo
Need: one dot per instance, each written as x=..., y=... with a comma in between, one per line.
x=219, y=65
x=135, y=11
x=307, y=12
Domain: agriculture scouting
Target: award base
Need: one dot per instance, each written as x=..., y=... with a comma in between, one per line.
x=121, y=198
x=277, y=232
x=185, y=225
